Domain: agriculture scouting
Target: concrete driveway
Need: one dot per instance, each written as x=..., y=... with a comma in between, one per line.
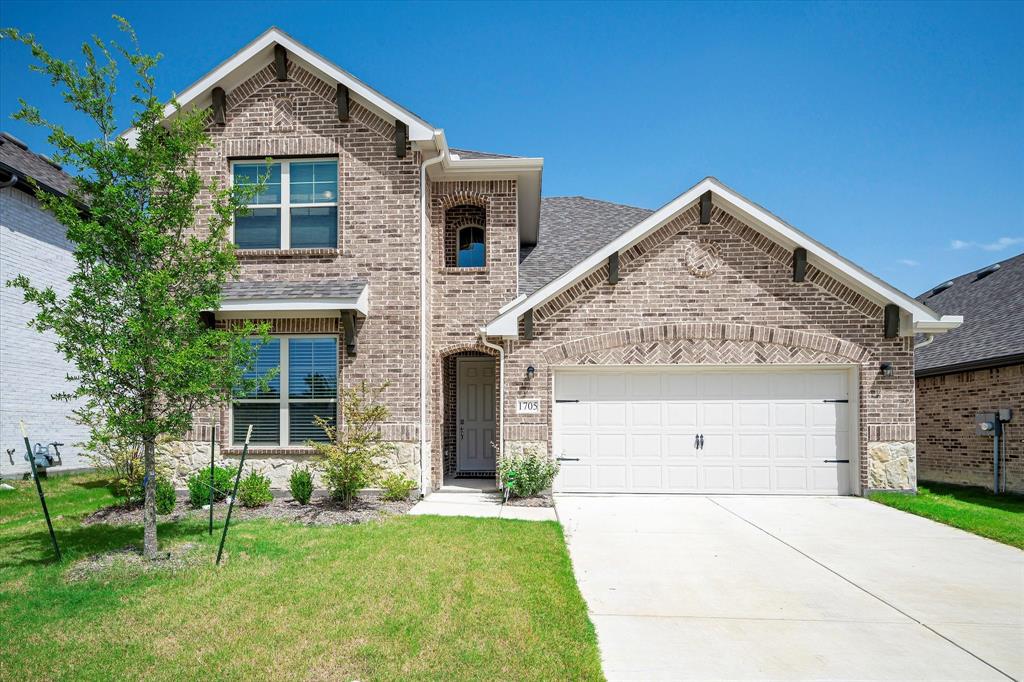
x=737, y=587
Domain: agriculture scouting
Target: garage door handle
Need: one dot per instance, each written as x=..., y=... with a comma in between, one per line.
x=568, y=459
x=840, y=400
x=566, y=401
x=837, y=461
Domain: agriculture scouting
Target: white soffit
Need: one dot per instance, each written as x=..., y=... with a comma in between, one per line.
x=924, y=319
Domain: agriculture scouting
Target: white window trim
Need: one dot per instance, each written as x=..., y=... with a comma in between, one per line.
x=283, y=401
x=285, y=205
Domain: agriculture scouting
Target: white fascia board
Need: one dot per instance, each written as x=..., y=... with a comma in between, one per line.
x=198, y=93
x=506, y=324
x=261, y=305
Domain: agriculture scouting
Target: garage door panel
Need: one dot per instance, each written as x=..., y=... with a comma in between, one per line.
x=764, y=431
x=647, y=477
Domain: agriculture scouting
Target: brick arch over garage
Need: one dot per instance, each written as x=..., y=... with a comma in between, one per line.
x=706, y=343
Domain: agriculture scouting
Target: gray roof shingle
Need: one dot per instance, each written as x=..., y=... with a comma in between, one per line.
x=473, y=154
x=313, y=289
x=993, y=310
x=15, y=155
x=572, y=228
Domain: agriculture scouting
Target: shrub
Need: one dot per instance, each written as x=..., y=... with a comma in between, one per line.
x=166, y=497
x=199, y=485
x=396, y=487
x=528, y=473
x=119, y=459
x=254, y=490
x=351, y=459
x=301, y=484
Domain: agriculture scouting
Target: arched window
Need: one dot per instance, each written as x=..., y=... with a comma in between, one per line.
x=472, y=251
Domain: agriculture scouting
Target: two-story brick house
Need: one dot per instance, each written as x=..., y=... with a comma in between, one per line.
x=705, y=346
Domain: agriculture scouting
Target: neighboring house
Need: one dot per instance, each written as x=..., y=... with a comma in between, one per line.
x=32, y=243
x=707, y=346
x=975, y=369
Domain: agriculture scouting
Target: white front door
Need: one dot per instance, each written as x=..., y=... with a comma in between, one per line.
x=474, y=400
x=750, y=430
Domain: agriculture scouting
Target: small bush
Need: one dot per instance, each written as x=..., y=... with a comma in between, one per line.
x=351, y=458
x=528, y=473
x=199, y=485
x=254, y=490
x=166, y=497
x=396, y=487
x=301, y=484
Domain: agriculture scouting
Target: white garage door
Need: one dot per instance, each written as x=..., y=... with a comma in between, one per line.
x=711, y=431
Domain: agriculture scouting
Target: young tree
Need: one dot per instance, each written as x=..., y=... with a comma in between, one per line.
x=144, y=270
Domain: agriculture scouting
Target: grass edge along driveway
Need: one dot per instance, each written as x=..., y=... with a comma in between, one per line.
x=408, y=598
x=976, y=510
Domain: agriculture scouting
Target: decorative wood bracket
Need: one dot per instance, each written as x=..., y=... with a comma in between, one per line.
x=342, y=99
x=348, y=322
x=892, y=321
x=705, y=208
x=281, y=62
x=799, y=264
x=528, y=325
x=219, y=105
x=613, y=268
x=401, y=138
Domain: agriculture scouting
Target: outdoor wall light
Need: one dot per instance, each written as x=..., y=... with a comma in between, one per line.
x=530, y=371
x=886, y=369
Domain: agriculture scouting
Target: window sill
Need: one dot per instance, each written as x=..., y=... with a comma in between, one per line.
x=286, y=253
x=463, y=271
x=265, y=450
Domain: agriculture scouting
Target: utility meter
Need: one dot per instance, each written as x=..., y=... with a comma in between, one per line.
x=986, y=424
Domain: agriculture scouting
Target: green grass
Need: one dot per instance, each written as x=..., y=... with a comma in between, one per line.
x=408, y=598
x=976, y=510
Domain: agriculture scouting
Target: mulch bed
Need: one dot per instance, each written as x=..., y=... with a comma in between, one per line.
x=544, y=499
x=319, y=512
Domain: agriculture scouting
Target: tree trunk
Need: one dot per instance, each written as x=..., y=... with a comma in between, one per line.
x=149, y=542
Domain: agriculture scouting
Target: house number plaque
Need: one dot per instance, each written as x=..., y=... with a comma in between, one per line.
x=529, y=406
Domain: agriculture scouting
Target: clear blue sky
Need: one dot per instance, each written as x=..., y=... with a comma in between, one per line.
x=893, y=133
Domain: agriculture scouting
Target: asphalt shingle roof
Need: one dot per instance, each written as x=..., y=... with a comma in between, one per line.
x=993, y=310
x=315, y=289
x=572, y=228
x=473, y=154
x=16, y=155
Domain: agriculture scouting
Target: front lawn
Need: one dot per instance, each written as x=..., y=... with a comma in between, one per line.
x=408, y=598
x=999, y=517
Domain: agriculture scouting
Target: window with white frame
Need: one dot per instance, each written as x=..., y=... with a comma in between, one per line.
x=304, y=387
x=297, y=209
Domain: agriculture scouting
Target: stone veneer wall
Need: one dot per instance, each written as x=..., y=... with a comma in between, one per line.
x=721, y=294
x=378, y=237
x=948, y=449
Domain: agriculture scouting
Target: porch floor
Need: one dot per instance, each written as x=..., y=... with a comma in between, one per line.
x=460, y=484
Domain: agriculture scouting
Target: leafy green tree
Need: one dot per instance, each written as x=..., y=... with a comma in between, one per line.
x=145, y=268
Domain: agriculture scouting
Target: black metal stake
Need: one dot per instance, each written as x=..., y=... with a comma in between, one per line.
x=39, y=489
x=213, y=432
x=234, y=494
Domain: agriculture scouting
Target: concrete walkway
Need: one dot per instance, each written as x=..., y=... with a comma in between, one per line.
x=787, y=588
x=470, y=500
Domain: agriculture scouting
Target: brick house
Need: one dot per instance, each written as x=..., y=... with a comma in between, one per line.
x=978, y=368
x=32, y=243
x=705, y=346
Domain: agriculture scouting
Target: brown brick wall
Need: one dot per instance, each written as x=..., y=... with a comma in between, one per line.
x=464, y=299
x=714, y=294
x=947, y=448
x=378, y=216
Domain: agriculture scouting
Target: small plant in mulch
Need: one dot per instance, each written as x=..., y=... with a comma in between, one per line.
x=527, y=474
x=396, y=487
x=254, y=490
x=300, y=483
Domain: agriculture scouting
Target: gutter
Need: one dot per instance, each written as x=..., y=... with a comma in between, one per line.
x=424, y=324
x=482, y=333
x=971, y=365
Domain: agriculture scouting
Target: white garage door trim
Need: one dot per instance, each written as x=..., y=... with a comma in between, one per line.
x=633, y=373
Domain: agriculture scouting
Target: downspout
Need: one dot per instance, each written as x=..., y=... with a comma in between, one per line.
x=424, y=324
x=928, y=338
x=501, y=389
